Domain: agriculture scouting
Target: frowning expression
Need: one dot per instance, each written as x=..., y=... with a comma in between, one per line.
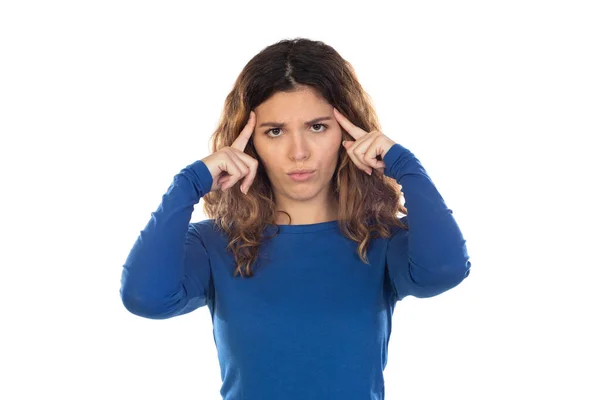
x=297, y=130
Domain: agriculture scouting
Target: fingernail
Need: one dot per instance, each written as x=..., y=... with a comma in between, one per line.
x=370, y=171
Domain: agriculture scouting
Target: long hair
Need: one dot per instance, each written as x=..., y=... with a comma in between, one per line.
x=368, y=205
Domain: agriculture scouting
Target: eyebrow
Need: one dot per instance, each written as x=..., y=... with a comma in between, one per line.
x=308, y=123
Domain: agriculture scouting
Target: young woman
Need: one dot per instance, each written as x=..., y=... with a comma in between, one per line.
x=304, y=257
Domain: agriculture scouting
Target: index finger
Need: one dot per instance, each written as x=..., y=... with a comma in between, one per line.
x=242, y=140
x=352, y=129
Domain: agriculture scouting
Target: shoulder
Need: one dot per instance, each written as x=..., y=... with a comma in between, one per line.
x=396, y=229
x=208, y=232
x=204, y=227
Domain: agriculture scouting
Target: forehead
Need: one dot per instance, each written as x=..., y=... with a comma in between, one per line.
x=301, y=103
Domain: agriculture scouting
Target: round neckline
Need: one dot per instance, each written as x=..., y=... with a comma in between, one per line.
x=303, y=228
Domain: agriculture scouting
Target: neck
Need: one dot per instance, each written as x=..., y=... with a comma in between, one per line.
x=308, y=212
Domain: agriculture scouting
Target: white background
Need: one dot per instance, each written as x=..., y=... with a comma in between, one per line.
x=102, y=103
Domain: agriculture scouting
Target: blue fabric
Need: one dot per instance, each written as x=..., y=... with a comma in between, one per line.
x=314, y=321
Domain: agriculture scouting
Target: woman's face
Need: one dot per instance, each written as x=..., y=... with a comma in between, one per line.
x=297, y=130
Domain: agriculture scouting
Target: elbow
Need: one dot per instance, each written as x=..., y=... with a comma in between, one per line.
x=161, y=307
x=431, y=283
x=460, y=272
x=144, y=307
x=456, y=274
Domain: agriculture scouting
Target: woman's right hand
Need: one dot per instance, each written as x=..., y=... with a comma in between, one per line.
x=230, y=164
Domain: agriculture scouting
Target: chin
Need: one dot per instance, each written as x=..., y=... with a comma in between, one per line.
x=307, y=191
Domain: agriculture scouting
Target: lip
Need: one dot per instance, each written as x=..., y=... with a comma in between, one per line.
x=302, y=176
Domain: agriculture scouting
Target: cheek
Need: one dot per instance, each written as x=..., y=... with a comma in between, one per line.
x=335, y=142
x=271, y=161
x=332, y=161
x=335, y=147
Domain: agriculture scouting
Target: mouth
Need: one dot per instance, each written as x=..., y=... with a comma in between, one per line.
x=301, y=176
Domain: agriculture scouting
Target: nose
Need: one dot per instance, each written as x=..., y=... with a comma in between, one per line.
x=299, y=150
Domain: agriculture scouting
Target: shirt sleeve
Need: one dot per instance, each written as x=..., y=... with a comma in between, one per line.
x=431, y=256
x=167, y=272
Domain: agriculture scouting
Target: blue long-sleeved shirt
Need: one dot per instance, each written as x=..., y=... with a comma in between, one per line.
x=314, y=321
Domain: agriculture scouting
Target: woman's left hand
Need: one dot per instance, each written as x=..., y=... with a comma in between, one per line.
x=367, y=146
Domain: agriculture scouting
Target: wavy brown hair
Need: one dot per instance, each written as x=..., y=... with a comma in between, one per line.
x=368, y=205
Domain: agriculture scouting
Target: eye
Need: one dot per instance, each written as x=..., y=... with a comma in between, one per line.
x=277, y=129
x=274, y=129
x=323, y=125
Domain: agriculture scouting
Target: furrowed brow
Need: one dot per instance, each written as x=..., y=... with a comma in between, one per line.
x=308, y=123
